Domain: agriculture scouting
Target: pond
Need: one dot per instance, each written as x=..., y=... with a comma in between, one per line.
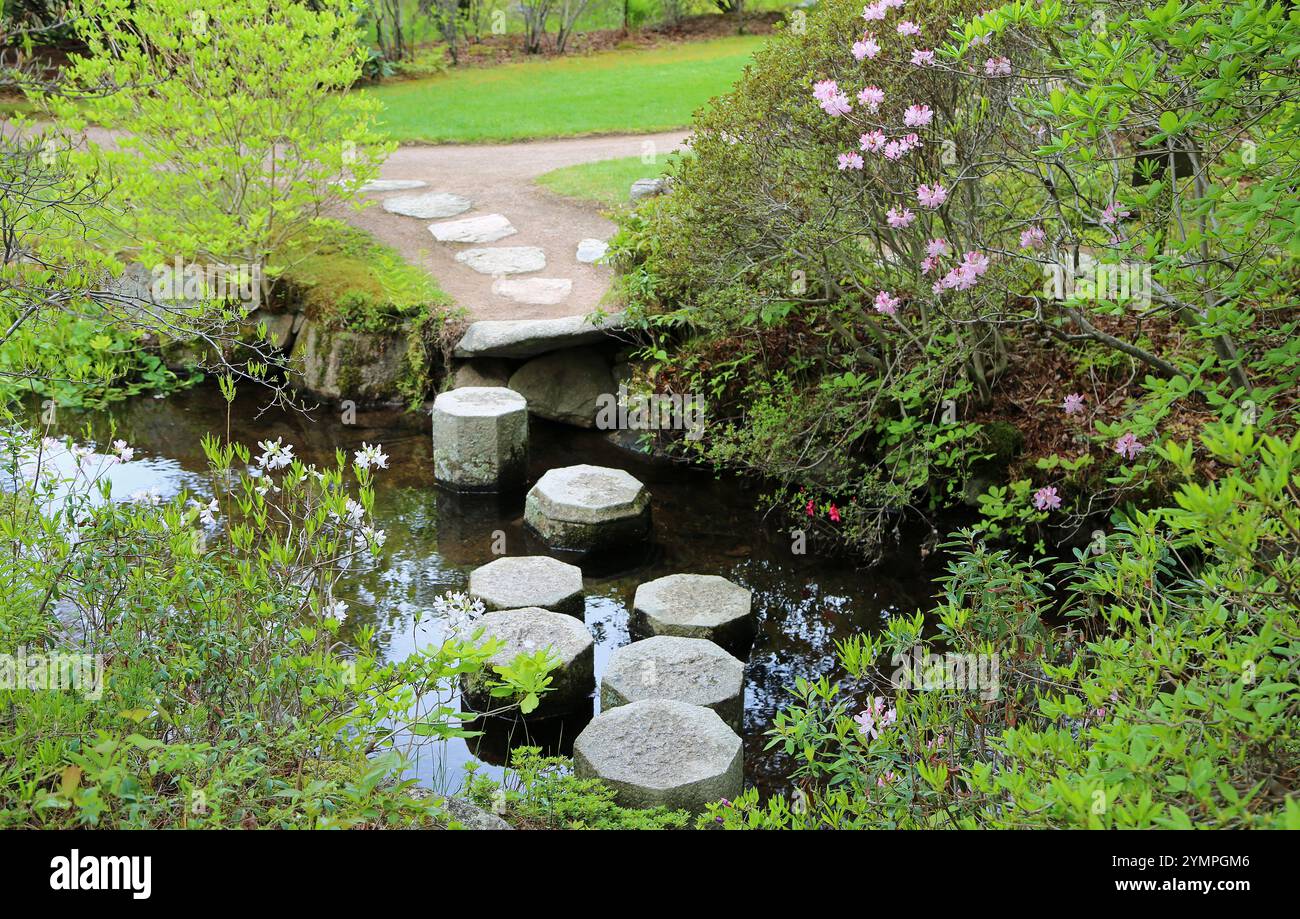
x=703, y=524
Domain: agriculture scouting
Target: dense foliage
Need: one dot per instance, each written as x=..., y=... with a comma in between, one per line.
x=913, y=251
x=1172, y=700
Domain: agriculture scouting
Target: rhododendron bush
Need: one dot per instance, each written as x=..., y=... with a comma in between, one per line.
x=918, y=222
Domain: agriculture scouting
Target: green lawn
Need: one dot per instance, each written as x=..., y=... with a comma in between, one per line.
x=605, y=182
x=616, y=92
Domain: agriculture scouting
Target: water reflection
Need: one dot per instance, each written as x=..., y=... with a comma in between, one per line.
x=702, y=525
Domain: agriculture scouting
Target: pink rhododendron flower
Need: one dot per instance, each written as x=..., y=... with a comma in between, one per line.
x=1032, y=238
x=929, y=263
x=893, y=150
x=810, y=508
x=871, y=97
x=977, y=262
x=1129, y=446
x=1111, y=214
x=836, y=106
x=931, y=197
x=892, y=4
x=825, y=89
x=997, y=67
x=899, y=219
x=1073, y=404
x=874, y=12
x=886, y=304
x=1046, y=499
x=885, y=779
x=834, y=514
x=981, y=39
x=866, y=48
x=937, y=248
x=850, y=161
x=908, y=27
x=923, y=58
x=918, y=116
x=871, y=141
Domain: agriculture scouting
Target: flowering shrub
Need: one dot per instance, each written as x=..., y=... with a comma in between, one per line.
x=902, y=214
x=1172, y=701
x=234, y=691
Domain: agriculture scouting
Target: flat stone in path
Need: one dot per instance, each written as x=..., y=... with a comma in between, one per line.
x=588, y=508
x=684, y=669
x=530, y=337
x=480, y=438
x=503, y=260
x=429, y=206
x=565, y=386
x=661, y=752
x=486, y=229
x=646, y=188
x=532, y=580
x=526, y=631
x=539, y=291
x=695, y=606
x=591, y=250
x=378, y=186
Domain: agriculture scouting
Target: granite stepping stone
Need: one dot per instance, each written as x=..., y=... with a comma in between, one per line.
x=685, y=669
x=588, y=508
x=503, y=259
x=662, y=752
x=527, y=631
x=695, y=606
x=540, y=291
x=428, y=206
x=591, y=250
x=486, y=229
x=531, y=580
x=383, y=185
x=480, y=438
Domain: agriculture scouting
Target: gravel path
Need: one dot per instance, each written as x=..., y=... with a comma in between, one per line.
x=498, y=180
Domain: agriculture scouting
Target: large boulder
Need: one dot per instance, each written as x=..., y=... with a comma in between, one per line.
x=684, y=669
x=486, y=371
x=695, y=606
x=588, y=508
x=344, y=364
x=480, y=438
x=662, y=752
x=530, y=580
x=526, y=631
x=564, y=385
x=530, y=337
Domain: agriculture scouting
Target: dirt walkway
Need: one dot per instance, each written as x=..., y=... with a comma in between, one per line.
x=499, y=180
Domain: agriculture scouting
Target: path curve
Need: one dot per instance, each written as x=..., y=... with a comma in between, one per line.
x=499, y=179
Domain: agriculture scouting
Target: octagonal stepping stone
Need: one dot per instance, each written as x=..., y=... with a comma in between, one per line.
x=591, y=250
x=383, y=185
x=485, y=229
x=661, y=752
x=532, y=580
x=526, y=631
x=683, y=669
x=695, y=606
x=428, y=206
x=480, y=438
x=588, y=508
x=504, y=259
x=541, y=291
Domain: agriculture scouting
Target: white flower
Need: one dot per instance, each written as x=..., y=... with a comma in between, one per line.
x=208, y=515
x=124, y=453
x=150, y=496
x=369, y=456
x=274, y=454
x=368, y=536
x=337, y=610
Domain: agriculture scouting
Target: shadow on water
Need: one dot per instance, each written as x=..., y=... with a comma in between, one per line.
x=702, y=524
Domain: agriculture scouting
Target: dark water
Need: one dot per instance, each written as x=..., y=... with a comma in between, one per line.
x=702, y=525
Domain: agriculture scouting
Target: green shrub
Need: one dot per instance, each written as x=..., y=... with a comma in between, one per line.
x=1171, y=701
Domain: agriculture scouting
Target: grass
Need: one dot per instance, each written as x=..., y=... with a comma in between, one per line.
x=617, y=92
x=604, y=182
